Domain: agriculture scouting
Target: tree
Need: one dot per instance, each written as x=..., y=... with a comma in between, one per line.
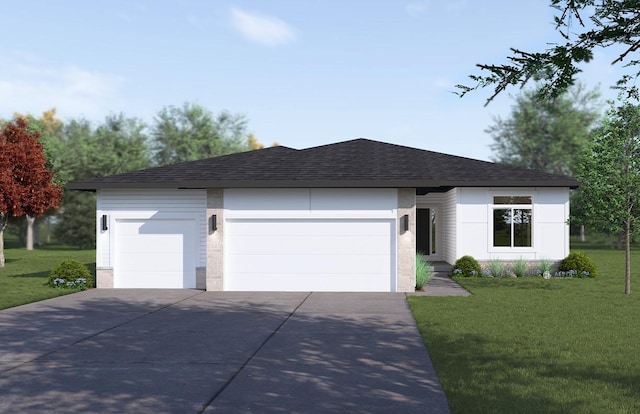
x=116, y=146
x=192, y=132
x=612, y=23
x=254, y=144
x=545, y=135
x=49, y=128
x=609, y=175
x=27, y=185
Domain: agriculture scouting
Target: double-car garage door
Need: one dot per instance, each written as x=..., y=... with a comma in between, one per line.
x=308, y=255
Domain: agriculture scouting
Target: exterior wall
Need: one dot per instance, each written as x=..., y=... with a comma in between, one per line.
x=407, y=241
x=450, y=226
x=550, y=232
x=215, y=252
x=446, y=202
x=138, y=203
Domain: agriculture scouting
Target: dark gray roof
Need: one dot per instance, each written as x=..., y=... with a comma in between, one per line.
x=355, y=163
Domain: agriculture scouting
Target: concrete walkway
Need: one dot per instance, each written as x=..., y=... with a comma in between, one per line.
x=185, y=351
x=442, y=285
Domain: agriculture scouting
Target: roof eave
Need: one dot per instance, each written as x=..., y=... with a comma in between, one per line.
x=346, y=183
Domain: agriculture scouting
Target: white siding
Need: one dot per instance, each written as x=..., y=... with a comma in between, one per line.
x=310, y=202
x=550, y=233
x=473, y=227
x=447, y=203
x=449, y=226
x=141, y=204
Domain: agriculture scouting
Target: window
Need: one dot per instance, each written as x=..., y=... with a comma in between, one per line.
x=512, y=220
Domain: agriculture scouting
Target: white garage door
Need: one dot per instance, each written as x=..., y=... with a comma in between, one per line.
x=155, y=253
x=309, y=255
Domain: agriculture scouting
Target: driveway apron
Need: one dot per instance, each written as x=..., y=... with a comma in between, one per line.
x=186, y=351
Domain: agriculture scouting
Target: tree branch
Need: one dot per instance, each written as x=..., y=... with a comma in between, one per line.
x=634, y=47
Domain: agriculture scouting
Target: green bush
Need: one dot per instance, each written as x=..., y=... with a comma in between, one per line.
x=545, y=266
x=579, y=263
x=467, y=266
x=521, y=268
x=70, y=274
x=424, y=271
x=496, y=268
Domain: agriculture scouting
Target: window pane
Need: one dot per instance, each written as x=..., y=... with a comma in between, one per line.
x=521, y=227
x=502, y=227
x=512, y=200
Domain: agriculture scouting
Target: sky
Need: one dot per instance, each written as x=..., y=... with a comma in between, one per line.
x=304, y=73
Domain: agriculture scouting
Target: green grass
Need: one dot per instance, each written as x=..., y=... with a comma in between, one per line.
x=539, y=346
x=23, y=279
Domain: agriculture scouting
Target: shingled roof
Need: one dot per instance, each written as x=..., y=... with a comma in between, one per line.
x=356, y=163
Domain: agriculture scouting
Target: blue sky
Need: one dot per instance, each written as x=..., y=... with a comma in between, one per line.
x=304, y=73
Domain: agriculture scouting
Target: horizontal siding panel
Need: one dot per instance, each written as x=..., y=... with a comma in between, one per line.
x=449, y=225
x=150, y=203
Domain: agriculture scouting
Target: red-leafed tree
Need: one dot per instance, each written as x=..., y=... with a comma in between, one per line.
x=27, y=185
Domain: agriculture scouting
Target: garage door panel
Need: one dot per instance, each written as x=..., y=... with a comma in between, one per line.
x=309, y=255
x=309, y=228
x=155, y=253
x=155, y=280
x=157, y=244
x=140, y=262
x=309, y=245
x=347, y=282
x=310, y=264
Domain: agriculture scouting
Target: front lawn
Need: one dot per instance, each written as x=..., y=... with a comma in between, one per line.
x=539, y=346
x=23, y=279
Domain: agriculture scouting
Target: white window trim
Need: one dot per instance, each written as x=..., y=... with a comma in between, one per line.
x=493, y=207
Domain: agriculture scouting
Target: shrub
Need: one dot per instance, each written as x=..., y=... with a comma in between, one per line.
x=496, y=268
x=70, y=274
x=467, y=266
x=424, y=271
x=521, y=268
x=544, y=267
x=578, y=264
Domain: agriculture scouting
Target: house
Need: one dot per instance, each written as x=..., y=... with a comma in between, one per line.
x=348, y=216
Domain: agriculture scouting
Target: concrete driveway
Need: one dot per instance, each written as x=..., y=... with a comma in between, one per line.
x=186, y=351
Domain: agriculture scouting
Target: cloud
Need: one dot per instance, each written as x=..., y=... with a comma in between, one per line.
x=415, y=8
x=265, y=30
x=442, y=84
x=28, y=85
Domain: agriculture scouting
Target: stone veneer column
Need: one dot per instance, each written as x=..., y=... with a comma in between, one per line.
x=214, y=271
x=104, y=277
x=407, y=241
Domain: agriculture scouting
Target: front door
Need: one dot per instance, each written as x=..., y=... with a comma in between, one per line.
x=428, y=232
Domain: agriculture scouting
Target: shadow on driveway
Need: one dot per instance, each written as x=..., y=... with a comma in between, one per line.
x=189, y=351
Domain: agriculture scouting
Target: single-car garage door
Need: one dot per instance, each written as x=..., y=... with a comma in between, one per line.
x=309, y=255
x=155, y=253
